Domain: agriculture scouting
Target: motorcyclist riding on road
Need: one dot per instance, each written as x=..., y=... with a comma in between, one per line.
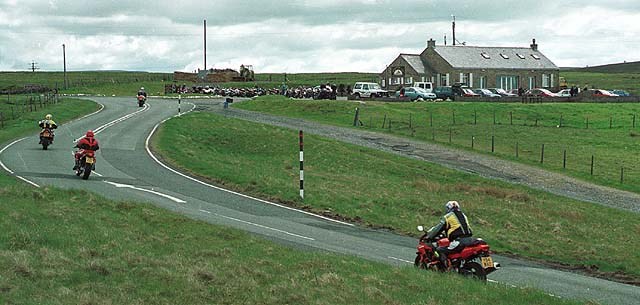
x=49, y=123
x=456, y=227
x=142, y=92
x=86, y=143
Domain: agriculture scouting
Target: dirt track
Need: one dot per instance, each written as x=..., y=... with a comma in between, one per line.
x=483, y=165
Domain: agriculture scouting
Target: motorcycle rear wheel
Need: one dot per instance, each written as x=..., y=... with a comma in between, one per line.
x=87, y=171
x=474, y=270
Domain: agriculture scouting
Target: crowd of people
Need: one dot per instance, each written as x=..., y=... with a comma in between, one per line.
x=325, y=91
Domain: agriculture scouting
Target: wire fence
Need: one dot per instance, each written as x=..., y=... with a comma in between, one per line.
x=13, y=107
x=470, y=131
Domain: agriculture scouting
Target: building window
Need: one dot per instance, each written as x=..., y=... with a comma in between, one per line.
x=409, y=80
x=552, y=82
x=507, y=82
x=485, y=55
x=444, y=79
x=384, y=85
x=532, y=82
x=536, y=57
x=546, y=80
x=505, y=56
x=520, y=55
x=423, y=78
x=465, y=78
x=483, y=82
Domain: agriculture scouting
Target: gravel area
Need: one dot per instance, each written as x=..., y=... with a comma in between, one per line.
x=483, y=165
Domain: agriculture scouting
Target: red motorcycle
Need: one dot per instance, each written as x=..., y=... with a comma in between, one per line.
x=141, y=100
x=473, y=261
x=87, y=163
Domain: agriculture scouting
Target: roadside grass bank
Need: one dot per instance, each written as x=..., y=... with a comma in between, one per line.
x=74, y=247
x=571, y=133
x=384, y=190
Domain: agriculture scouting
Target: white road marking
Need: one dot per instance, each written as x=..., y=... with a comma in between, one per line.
x=120, y=185
x=101, y=128
x=99, y=175
x=399, y=259
x=264, y=227
x=3, y=149
x=27, y=181
x=204, y=211
x=146, y=144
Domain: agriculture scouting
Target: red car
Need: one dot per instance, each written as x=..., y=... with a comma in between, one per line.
x=469, y=93
x=540, y=92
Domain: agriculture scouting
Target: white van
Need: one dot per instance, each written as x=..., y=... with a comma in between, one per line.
x=373, y=90
x=427, y=86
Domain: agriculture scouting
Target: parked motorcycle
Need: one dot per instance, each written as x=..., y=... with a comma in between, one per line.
x=46, y=138
x=87, y=163
x=141, y=100
x=473, y=261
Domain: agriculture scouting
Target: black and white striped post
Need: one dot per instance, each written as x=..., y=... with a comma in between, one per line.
x=301, y=164
x=179, y=99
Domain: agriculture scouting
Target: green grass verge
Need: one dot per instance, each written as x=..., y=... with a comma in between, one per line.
x=72, y=247
x=614, y=149
x=385, y=190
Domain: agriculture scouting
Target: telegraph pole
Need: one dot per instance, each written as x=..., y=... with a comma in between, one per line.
x=205, y=44
x=34, y=67
x=64, y=61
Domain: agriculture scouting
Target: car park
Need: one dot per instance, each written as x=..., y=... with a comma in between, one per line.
x=564, y=93
x=539, y=92
x=364, y=89
x=426, y=86
x=502, y=92
x=597, y=93
x=621, y=92
x=415, y=93
x=444, y=92
x=466, y=92
x=486, y=93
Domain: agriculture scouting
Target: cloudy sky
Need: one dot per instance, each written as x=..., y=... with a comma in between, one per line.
x=303, y=35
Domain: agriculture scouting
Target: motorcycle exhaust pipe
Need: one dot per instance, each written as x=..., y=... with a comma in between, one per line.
x=496, y=266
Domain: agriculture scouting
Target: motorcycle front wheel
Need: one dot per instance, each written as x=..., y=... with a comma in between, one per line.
x=474, y=270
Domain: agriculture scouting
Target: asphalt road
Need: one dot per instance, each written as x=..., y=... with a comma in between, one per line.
x=126, y=169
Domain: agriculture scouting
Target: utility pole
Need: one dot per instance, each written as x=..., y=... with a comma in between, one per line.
x=64, y=61
x=453, y=28
x=205, y=44
x=34, y=67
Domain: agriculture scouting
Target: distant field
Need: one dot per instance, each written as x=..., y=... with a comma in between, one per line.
x=518, y=127
x=627, y=67
x=624, y=81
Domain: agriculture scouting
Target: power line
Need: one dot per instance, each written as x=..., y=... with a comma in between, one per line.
x=34, y=66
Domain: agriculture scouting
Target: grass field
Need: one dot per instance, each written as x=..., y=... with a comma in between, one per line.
x=385, y=190
x=73, y=247
x=614, y=149
x=599, y=80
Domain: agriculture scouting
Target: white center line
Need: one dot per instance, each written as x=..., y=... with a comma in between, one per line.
x=120, y=185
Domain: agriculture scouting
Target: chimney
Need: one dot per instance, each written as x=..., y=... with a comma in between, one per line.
x=534, y=45
x=431, y=44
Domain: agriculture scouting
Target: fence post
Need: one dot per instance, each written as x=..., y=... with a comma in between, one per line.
x=410, y=123
x=472, y=140
x=300, y=135
x=355, y=117
x=542, y=154
x=494, y=117
x=493, y=143
x=516, y=149
x=511, y=117
x=634, y=121
x=610, y=122
x=564, y=159
x=621, y=174
x=453, y=114
x=536, y=122
x=431, y=119
x=592, y=165
x=1, y=120
x=384, y=120
x=450, y=135
x=475, y=117
x=587, y=122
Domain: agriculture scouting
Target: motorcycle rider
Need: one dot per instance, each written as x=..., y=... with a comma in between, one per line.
x=86, y=143
x=456, y=227
x=142, y=92
x=49, y=123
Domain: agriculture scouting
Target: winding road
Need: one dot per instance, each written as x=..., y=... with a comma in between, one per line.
x=127, y=169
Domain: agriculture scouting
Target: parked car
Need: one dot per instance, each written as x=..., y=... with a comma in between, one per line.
x=539, y=92
x=373, y=90
x=564, y=93
x=415, y=93
x=427, y=86
x=466, y=92
x=486, y=93
x=444, y=92
x=621, y=92
x=503, y=92
x=597, y=93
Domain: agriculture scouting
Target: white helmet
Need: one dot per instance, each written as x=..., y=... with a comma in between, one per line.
x=452, y=205
x=141, y=88
x=48, y=117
